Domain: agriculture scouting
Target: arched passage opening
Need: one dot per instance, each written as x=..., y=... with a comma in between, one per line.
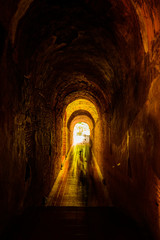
x=79, y=110
x=81, y=133
x=76, y=117
x=81, y=155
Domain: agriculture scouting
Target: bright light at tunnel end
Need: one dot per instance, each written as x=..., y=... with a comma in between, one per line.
x=78, y=139
x=81, y=133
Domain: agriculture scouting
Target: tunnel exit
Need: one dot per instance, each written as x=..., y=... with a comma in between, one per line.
x=81, y=133
x=79, y=182
x=80, y=150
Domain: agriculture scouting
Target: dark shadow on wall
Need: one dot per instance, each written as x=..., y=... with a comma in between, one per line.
x=152, y=143
x=152, y=155
x=137, y=192
x=2, y=39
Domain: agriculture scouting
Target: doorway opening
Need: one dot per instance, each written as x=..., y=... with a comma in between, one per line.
x=84, y=113
x=80, y=156
x=81, y=133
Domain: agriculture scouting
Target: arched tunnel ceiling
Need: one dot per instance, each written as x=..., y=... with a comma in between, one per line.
x=81, y=106
x=81, y=114
x=101, y=47
x=81, y=118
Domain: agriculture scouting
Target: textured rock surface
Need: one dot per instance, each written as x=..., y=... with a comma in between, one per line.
x=54, y=52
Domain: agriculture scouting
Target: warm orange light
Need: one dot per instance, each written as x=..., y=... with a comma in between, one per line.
x=82, y=104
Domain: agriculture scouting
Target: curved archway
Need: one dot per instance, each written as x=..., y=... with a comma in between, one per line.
x=79, y=118
x=77, y=111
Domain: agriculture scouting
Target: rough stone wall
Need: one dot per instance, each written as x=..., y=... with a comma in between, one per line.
x=144, y=156
x=99, y=142
x=12, y=139
x=133, y=175
x=144, y=147
x=30, y=148
x=107, y=51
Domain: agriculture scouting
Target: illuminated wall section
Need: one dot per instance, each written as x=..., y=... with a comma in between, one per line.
x=82, y=104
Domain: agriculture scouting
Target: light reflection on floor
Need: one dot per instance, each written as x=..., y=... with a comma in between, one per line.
x=78, y=184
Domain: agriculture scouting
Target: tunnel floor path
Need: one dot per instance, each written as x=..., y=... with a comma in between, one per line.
x=79, y=183
x=76, y=209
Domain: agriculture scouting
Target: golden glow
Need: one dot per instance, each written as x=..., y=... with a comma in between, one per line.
x=81, y=133
x=80, y=158
x=82, y=104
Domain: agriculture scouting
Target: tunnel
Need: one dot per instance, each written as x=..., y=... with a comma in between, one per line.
x=65, y=67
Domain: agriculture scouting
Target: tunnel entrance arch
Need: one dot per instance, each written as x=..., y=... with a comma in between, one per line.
x=81, y=131
x=75, y=107
x=79, y=110
x=79, y=118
